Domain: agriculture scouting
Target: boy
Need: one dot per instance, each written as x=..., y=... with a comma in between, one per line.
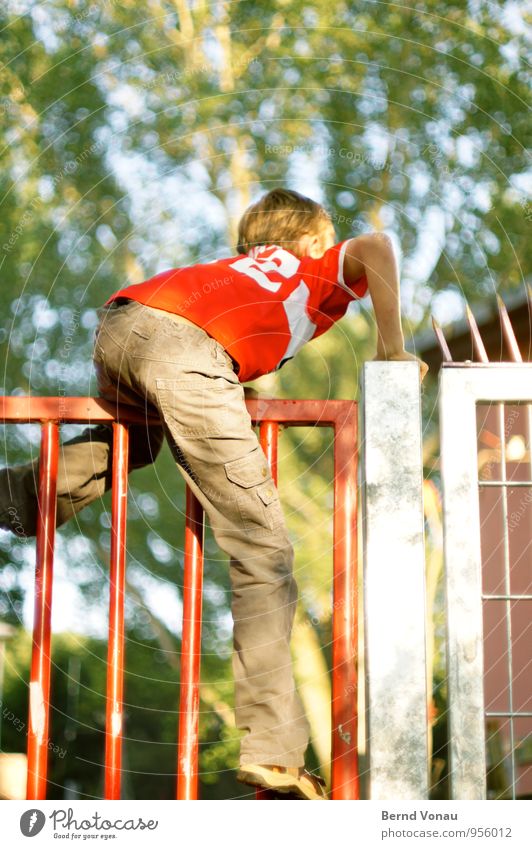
x=180, y=345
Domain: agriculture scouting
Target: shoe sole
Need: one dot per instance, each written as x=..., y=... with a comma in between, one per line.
x=282, y=783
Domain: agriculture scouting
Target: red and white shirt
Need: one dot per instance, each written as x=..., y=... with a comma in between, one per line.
x=262, y=306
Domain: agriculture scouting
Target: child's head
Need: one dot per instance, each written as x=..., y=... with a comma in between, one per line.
x=286, y=218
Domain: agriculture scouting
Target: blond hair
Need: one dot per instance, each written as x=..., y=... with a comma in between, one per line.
x=279, y=217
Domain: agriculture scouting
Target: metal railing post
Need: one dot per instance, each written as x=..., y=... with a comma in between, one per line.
x=344, y=771
x=394, y=587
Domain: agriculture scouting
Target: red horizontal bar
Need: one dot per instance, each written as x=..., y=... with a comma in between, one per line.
x=31, y=409
x=28, y=409
x=301, y=411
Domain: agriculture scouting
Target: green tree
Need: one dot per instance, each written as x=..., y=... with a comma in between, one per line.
x=132, y=138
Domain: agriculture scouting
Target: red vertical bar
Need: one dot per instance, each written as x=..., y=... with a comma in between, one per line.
x=188, y=733
x=115, y=652
x=344, y=773
x=269, y=440
x=39, y=707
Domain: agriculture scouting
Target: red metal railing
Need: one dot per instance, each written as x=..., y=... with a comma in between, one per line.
x=49, y=412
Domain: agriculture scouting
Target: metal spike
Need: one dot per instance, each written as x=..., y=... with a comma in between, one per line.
x=478, y=344
x=446, y=354
x=508, y=332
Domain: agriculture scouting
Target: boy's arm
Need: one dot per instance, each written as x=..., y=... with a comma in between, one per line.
x=372, y=255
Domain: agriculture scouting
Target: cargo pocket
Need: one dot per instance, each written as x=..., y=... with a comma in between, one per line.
x=195, y=407
x=256, y=494
x=144, y=331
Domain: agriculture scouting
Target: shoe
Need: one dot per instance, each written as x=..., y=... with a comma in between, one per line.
x=283, y=779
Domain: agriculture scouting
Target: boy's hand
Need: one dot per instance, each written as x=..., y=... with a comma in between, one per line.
x=404, y=355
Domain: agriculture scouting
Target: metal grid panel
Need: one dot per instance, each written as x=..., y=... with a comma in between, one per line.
x=506, y=657
x=462, y=388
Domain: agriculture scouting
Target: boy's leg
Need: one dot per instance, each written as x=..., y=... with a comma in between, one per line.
x=201, y=403
x=245, y=515
x=84, y=474
x=84, y=468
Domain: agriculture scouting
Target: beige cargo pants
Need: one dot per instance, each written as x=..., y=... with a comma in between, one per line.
x=146, y=358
